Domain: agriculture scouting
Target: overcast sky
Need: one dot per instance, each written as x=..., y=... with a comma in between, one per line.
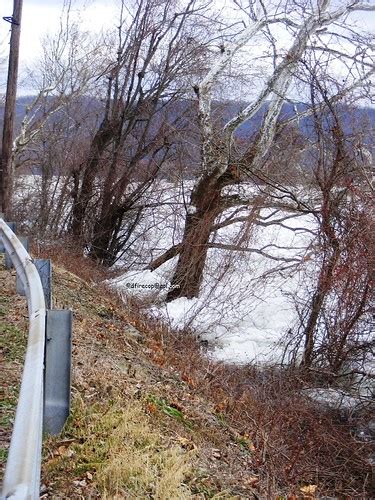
x=42, y=16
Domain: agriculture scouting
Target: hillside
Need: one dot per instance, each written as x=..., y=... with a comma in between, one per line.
x=223, y=112
x=135, y=427
x=154, y=418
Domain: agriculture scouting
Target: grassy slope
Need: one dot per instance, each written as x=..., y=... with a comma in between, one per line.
x=153, y=418
x=13, y=328
x=136, y=429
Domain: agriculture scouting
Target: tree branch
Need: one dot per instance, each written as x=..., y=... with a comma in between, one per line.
x=235, y=248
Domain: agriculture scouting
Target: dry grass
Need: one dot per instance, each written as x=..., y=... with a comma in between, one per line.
x=290, y=443
x=127, y=406
x=142, y=464
x=193, y=428
x=116, y=449
x=294, y=443
x=13, y=339
x=69, y=256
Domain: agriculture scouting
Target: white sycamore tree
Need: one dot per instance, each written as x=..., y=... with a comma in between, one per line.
x=319, y=26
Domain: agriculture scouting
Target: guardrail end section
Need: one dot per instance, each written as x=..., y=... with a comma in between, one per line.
x=57, y=377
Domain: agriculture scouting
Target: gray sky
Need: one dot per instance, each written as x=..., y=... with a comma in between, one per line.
x=41, y=17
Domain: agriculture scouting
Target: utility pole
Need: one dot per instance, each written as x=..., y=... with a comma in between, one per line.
x=6, y=164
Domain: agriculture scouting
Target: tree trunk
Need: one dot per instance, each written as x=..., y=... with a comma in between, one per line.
x=112, y=231
x=82, y=199
x=309, y=333
x=104, y=234
x=325, y=284
x=188, y=275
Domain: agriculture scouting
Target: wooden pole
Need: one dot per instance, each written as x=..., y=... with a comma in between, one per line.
x=6, y=164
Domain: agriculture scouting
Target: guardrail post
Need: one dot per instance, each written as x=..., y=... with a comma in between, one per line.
x=8, y=261
x=57, y=374
x=12, y=226
x=44, y=268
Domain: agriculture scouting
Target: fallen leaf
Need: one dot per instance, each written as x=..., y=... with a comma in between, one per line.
x=245, y=440
x=309, y=489
x=151, y=408
x=189, y=381
x=221, y=406
x=252, y=481
x=63, y=451
x=186, y=443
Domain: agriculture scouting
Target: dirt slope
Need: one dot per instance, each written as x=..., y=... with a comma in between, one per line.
x=13, y=331
x=152, y=417
x=137, y=430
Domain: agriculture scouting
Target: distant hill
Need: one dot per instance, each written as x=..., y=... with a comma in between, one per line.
x=351, y=118
x=224, y=110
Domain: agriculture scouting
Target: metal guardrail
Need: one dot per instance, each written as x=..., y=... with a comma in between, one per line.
x=22, y=473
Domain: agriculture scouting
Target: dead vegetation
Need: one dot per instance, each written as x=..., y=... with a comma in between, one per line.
x=295, y=445
x=13, y=331
x=154, y=417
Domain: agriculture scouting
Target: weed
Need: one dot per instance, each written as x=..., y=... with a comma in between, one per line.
x=8, y=406
x=205, y=489
x=221, y=419
x=3, y=455
x=245, y=443
x=12, y=342
x=7, y=414
x=169, y=409
x=4, y=301
x=121, y=450
x=106, y=312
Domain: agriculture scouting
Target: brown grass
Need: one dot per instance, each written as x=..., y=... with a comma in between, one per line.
x=294, y=443
x=118, y=449
x=13, y=340
x=69, y=255
x=273, y=441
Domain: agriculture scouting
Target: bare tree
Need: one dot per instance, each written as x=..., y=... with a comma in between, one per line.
x=65, y=72
x=158, y=46
x=222, y=164
x=333, y=324
x=51, y=156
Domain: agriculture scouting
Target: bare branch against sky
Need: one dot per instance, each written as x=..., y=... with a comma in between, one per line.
x=41, y=17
